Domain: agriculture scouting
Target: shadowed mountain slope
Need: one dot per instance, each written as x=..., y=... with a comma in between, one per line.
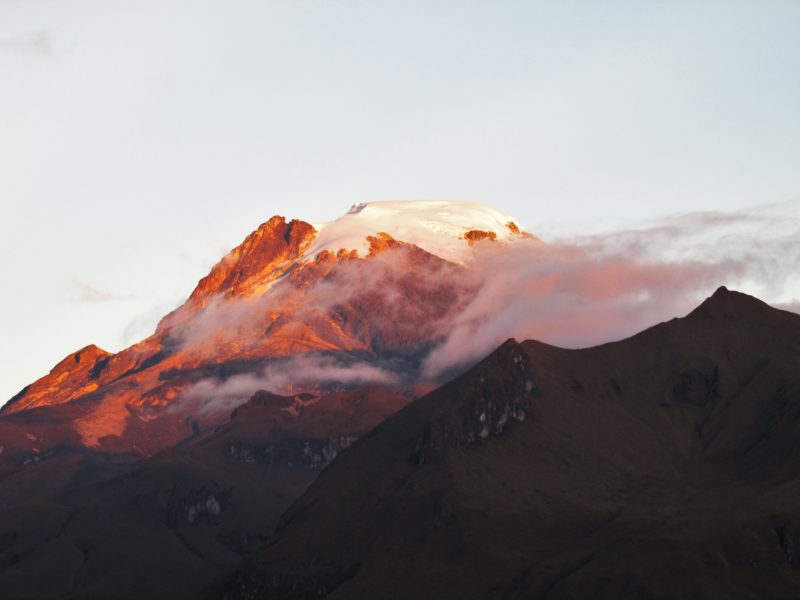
x=168, y=526
x=662, y=466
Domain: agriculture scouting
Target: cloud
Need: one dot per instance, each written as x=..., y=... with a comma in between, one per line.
x=396, y=298
x=396, y=301
x=306, y=369
x=83, y=292
x=214, y=394
x=35, y=43
x=583, y=291
x=144, y=324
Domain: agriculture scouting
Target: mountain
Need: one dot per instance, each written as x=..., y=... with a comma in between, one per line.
x=661, y=466
x=167, y=526
x=153, y=471
x=281, y=435
x=295, y=307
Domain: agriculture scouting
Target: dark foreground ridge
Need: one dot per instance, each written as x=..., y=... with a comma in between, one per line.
x=661, y=466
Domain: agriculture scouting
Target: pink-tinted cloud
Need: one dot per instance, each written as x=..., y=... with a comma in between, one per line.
x=400, y=294
x=589, y=290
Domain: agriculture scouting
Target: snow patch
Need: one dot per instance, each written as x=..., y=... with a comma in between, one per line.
x=437, y=226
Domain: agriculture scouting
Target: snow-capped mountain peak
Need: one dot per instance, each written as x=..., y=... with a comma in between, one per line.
x=445, y=228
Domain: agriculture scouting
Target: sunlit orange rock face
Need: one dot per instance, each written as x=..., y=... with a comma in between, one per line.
x=74, y=376
x=263, y=256
x=479, y=235
x=333, y=316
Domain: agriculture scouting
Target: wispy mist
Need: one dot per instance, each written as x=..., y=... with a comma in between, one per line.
x=213, y=394
x=588, y=290
x=34, y=42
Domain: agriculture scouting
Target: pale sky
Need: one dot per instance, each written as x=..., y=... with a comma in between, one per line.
x=141, y=141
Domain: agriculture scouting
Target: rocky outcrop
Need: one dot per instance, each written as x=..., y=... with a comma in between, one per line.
x=498, y=393
x=260, y=259
x=73, y=376
x=202, y=505
x=254, y=582
x=305, y=453
x=473, y=236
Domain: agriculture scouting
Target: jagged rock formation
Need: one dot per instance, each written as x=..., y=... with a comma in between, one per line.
x=493, y=400
x=73, y=377
x=309, y=454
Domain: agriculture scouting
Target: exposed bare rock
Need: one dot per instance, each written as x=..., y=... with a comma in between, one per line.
x=74, y=376
x=498, y=393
